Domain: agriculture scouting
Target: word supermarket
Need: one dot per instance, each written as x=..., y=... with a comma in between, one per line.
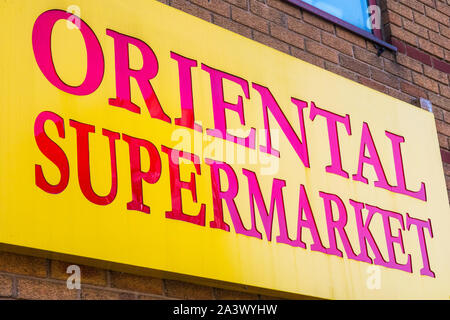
x=224, y=182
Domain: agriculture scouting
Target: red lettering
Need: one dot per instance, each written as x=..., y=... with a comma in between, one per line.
x=228, y=196
x=421, y=225
x=42, y=33
x=390, y=239
x=186, y=95
x=332, y=120
x=309, y=223
x=176, y=184
x=143, y=76
x=220, y=105
x=400, y=171
x=137, y=175
x=269, y=102
x=52, y=151
x=277, y=200
x=84, y=172
x=365, y=235
x=338, y=225
x=373, y=159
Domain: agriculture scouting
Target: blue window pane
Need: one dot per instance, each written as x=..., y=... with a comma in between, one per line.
x=352, y=11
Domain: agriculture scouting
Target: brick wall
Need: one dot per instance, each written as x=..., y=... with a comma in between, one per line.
x=420, y=29
x=27, y=277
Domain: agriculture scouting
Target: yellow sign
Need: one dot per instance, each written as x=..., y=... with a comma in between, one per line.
x=139, y=135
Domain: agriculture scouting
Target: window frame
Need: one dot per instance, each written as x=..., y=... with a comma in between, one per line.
x=375, y=37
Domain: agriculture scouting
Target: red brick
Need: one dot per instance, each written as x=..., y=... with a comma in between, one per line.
x=441, y=65
x=368, y=57
x=445, y=156
x=429, y=3
x=442, y=102
x=440, y=40
x=285, y=7
x=397, y=69
x=102, y=294
x=436, y=15
x=392, y=17
x=354, y=65
x=436, y=74
x=305, y=56
x=222, y=294
x=249, y=20
x=426, y=22
x=321, y=51
x=33, y=289
x=271, y=42
x=340, y=71
x=303, y=28
x=266, y=12
x=318, y=22
x=438, y=113
x=415, y=28
x=409, y=63
x=387, y=54
x=6, y=286
x=432, y=48
x=20, y=264
x=418, y=55
x=444, y=90
x=371, y=84
x=447, y=169
x=287, y=36
x=184, y=290
x=401, y=47
x=406, y=36
x=413, y=90
x=239, y=3
x=442, y=7
x=385, y=78
x=425, y=82
x=445, y=31
x=141, y=284
x=414, y=5
x=443, y=143
x=445, y=115
x=400, y=9
x=341, y=45
x=351, y=37
x=89, y=275
x=400, y=95
x=443, y=127
x=217, y=6
x=232, y=26
x=192, y=9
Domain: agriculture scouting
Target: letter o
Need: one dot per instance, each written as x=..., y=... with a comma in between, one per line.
x=42, y=34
